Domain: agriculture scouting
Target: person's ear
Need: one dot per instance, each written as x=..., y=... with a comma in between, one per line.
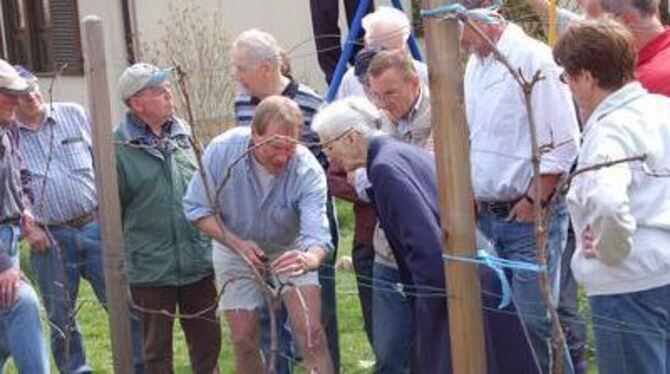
x=265, y=69
x=134, y=105
x=415, y=81
x=353, y=138
x=589, y=78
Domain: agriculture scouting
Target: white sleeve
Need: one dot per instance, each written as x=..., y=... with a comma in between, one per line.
x=604, y=194
x=556, y=122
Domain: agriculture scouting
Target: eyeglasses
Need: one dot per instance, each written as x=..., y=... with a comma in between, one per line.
x=162, y=89
x=328, y=146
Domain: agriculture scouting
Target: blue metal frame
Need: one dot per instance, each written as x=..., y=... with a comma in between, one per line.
x=349, y=47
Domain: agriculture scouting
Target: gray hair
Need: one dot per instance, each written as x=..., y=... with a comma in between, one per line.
x=261, y=46
x=645, y=7
x=351, y=113
x=385, y=24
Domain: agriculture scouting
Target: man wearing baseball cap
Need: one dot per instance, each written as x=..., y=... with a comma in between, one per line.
x=168, y=261
x=20, y=324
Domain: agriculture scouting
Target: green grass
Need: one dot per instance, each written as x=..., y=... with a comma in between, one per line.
x=356, y=354
x=353, y=343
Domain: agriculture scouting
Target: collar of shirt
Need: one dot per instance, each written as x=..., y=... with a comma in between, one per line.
x=653, y=47
x=141, y=130
x=505, y=44
x=404, y=124
x=47, y=119
x=417, y=104
x=289, y=91
x=173, y=134
x=617, y=99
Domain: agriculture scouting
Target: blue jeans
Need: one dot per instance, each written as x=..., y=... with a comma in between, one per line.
x=516, y=241
x=632, y=331
x=20, y=327
x=572, y=320
x=394, y=328
x=76, y=253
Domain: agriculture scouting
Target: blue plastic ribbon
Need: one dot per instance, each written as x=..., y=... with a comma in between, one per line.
x=483, y=14
x=498, y=265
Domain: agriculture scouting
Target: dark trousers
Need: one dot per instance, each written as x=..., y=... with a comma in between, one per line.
x=421, y=271
x=568, y=312
x=328, y=299
x=363, y=257
x=203, y=334
x=325, y=14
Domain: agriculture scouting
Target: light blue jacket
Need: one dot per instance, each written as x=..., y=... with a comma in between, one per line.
x=292, y=215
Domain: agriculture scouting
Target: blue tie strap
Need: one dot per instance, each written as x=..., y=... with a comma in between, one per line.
x=497, y=264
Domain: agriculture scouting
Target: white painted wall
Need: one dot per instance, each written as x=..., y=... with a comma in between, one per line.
x=288, y=20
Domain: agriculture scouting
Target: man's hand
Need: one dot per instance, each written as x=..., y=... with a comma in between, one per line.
x=522, y=211
x=9, y=285
x=589, y=243
x=250, y=250
x=37, y=237
x=295, y=262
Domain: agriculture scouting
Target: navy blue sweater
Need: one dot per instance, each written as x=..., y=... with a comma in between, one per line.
x=404, y=191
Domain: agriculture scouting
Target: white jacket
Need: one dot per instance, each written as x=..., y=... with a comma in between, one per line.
x=627, y=209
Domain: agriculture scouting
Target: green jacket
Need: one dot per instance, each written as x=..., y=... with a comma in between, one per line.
x=162, y=247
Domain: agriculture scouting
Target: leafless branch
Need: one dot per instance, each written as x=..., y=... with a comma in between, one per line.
x=267, y=293
x=562, y=186
x=541, y=214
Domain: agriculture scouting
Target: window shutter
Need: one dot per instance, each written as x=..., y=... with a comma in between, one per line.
x=66, y=47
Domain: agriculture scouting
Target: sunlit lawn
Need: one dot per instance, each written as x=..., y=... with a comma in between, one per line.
x=356, y=355
x=355, y=350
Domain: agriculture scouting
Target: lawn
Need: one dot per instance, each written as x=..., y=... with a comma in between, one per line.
x=355, y=352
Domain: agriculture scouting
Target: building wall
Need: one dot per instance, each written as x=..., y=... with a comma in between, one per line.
x=73, y=88
x=288, y=20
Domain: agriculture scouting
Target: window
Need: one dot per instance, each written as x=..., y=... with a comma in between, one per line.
x=43, y=35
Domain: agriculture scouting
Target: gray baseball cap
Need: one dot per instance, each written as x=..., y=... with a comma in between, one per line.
x=11, y=82
x=140, y=76
x=27, y=75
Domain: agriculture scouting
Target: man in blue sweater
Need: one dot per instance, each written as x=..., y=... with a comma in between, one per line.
x=404, y=193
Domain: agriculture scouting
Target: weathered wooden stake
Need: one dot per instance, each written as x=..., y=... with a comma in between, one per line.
x=108, y=193
x=452, y=156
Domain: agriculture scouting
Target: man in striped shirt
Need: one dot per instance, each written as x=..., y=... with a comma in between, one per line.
x=256, y=58
x=56, y=147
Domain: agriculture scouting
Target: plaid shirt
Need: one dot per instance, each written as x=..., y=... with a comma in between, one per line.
x=60, y=152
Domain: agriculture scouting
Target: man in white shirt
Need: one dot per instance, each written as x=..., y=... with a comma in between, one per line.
x=621, y=214
x=502, y=176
